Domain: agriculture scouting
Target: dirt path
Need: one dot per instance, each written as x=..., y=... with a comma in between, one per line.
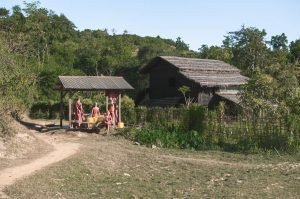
x=61, y=151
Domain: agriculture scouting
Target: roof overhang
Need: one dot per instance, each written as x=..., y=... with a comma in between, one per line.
x=230, y=96
x=92, y=83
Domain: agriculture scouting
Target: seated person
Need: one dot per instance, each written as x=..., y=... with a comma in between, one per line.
x=95, y=110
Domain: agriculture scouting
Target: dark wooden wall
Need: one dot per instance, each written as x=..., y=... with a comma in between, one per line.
x=165, y=81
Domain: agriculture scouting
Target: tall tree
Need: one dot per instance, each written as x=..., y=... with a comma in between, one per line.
x=295, y=50
x=180, y=44
x=248, y=47
x=279, y=53
x=216, y=52
x=279, y=42
x=4, y=12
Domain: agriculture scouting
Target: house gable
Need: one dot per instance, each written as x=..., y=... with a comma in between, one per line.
x=204, y=77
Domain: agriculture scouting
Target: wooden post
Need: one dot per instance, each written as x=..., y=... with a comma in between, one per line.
x=106, y=99
x=70, y=113
x=61, y=108
x=114, y=117
x=119, y=99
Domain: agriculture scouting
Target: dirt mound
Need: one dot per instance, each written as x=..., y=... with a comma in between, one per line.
x=23, y=146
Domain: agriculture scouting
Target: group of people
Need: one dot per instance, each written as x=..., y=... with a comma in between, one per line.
x=110, y=117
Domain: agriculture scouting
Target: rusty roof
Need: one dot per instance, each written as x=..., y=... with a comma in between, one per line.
x=206, y=72
x=93, y=83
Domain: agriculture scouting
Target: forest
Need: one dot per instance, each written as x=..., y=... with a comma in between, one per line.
x=37, y=45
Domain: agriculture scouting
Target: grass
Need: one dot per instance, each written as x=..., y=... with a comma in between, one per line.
x=112, y=167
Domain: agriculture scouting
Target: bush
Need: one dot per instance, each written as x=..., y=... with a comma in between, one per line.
x=170, y=137
x=198, y=128
x=127, y=102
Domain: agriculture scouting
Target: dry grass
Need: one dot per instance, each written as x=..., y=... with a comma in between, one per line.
x=111, y=167
x=21, y=148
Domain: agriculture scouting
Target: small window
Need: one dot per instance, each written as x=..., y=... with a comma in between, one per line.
x=172, y=82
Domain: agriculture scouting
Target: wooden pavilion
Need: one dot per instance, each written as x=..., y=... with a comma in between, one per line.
x=71, y=84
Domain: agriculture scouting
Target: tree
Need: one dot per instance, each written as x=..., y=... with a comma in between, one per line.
x=295, y=50
x=4, y=12
x=115, y=55
x=279, y=42
x=17, y=82
x=248, y=47
x=216, y=52
x=187, y=99
x=180, y=45
x=279, y=53
x=258, y=93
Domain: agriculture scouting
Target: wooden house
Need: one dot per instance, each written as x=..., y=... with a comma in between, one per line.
x=210, y=81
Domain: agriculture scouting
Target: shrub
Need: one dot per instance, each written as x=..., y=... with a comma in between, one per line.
x=127, y=102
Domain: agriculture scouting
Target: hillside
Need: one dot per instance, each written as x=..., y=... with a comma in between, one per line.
x=37, y=45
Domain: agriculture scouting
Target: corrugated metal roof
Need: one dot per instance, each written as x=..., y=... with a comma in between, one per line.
x=93, y=83
x=206, y=72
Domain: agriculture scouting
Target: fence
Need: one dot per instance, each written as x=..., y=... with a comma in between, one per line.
x=243, y=131
x=215, y=128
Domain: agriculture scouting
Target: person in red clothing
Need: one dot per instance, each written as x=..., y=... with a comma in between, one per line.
x=112, y=112
x=78, y=113
x=95, y=110
x=107, y=119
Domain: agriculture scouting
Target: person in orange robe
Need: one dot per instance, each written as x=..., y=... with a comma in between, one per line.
x=95, y=110
x=78, y=113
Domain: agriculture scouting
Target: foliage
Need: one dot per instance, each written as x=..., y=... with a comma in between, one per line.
x=184, y=90
x=279, y=42
x=17, y=85
x=127, y=102
x=295, y=50
x=49, y=45
x=248, y=47
x=180, y=45
x=258, y=93
x=198, y=128
x=216, y=52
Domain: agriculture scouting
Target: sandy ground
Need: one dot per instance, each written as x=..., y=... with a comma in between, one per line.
x=56, y=148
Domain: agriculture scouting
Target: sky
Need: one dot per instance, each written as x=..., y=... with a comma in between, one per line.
x=197, y=22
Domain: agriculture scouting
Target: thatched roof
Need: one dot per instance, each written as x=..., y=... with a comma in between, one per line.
x=93, y=83
x=206, y=72
x=233, y=97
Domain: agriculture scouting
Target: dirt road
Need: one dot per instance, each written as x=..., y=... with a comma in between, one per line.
x=61, y=151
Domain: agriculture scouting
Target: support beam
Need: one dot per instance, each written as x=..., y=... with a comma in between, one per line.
x=61, y=108
x=70, y=113
x=106, y=100
x=119, y=99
